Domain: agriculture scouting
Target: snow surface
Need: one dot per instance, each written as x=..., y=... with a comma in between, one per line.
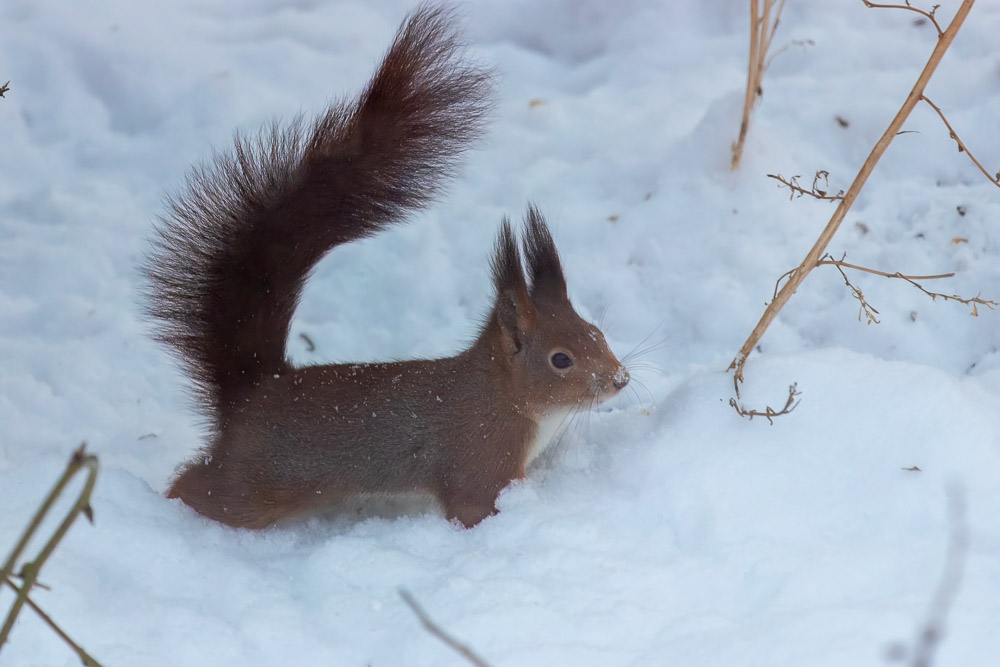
x=663, y=529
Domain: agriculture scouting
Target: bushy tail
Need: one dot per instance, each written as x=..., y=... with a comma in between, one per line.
x=231, y=256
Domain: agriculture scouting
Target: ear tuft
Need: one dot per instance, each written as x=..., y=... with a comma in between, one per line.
x=512, y=308
x=508, y=272
x=544, y=267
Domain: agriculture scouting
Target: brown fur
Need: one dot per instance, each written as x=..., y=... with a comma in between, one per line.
x=228, y=267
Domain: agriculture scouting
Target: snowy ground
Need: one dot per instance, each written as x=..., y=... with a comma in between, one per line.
x=664, y=529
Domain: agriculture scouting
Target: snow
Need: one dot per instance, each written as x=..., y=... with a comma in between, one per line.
x=662, y=529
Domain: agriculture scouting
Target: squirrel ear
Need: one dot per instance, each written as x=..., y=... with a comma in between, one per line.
x=543, y=259
x=513, y=307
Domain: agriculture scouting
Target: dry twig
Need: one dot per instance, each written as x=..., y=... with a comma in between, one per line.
x=4, y=89
x=769, y=413
x=962, y=148
x=816, y=191
x=866, y=308
x=785, y=47
x=85, y=657
x=30, y=569
x=811, y=259
x=952, y=297
x=435, y=630
x=762, y=31
x=827, y=259
x=921, y=653
x=907, y=6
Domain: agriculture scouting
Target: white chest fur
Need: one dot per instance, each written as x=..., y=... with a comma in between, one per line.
x=550, y=428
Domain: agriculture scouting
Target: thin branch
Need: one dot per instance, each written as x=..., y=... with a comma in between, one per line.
x=816, y=191
x=948, y=586
x=785, y=47
x=769, y=413
x=435, y=630
x=814, y=254
x=929, y=15
x=38, y=584
x=953, y=297
x=753, y=84
x=870, y=311
x=4, y=89
x=762, y=31
x=828, y=260
x=768, y=36
x=866, y=308
x=962, y=148
x=921, y=652
x=29, y=570
x=846, y=265
x=777, y=283
x=87, y=659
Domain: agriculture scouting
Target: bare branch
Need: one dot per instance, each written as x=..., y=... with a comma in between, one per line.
x=816, y=192
x=768, y=35
x=769, y=413
x=951, y=581
x=30, y=569
x=785, y=47
x=761, y=36
x=777, y=283
x=85, y=657
x=433, y=628
x=866, y=308
x=870, y=312
x=930, y=634
x=929, y=15
x=827, y=259
x=962, y=148
x=4, y=89
x=953, y=297
x=814, y=254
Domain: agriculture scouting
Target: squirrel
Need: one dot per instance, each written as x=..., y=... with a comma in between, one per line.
x=227, y=265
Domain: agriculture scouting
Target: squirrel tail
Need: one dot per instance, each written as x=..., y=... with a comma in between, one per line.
x=230, y=257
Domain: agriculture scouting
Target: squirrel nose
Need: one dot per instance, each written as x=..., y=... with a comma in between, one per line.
x=621, y=377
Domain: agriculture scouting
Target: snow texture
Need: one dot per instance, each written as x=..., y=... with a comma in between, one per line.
x=662, y=529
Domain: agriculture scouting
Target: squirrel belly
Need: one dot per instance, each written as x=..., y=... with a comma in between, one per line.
x=227, y=267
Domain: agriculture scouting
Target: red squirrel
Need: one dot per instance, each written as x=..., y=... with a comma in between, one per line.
x=225, y=274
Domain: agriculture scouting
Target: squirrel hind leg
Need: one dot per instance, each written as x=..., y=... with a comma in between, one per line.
x=210, y=489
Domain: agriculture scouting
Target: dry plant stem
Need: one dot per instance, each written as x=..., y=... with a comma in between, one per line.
x=29, y=571
x=962, y=148
x=814, y=254
x=432, y=627
x=897, y=274
x=768, y=413
x=85, y=657
x=760, y=43
x=930, y=14
x=953, y=297
x=866, y=309
x=815, y=192
x=827, y=260
x=752, y=84
x=951, y=580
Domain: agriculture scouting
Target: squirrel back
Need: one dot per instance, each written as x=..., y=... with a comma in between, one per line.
x=229, y=263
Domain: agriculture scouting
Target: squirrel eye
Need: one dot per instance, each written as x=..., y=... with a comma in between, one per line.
x=560, y=360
